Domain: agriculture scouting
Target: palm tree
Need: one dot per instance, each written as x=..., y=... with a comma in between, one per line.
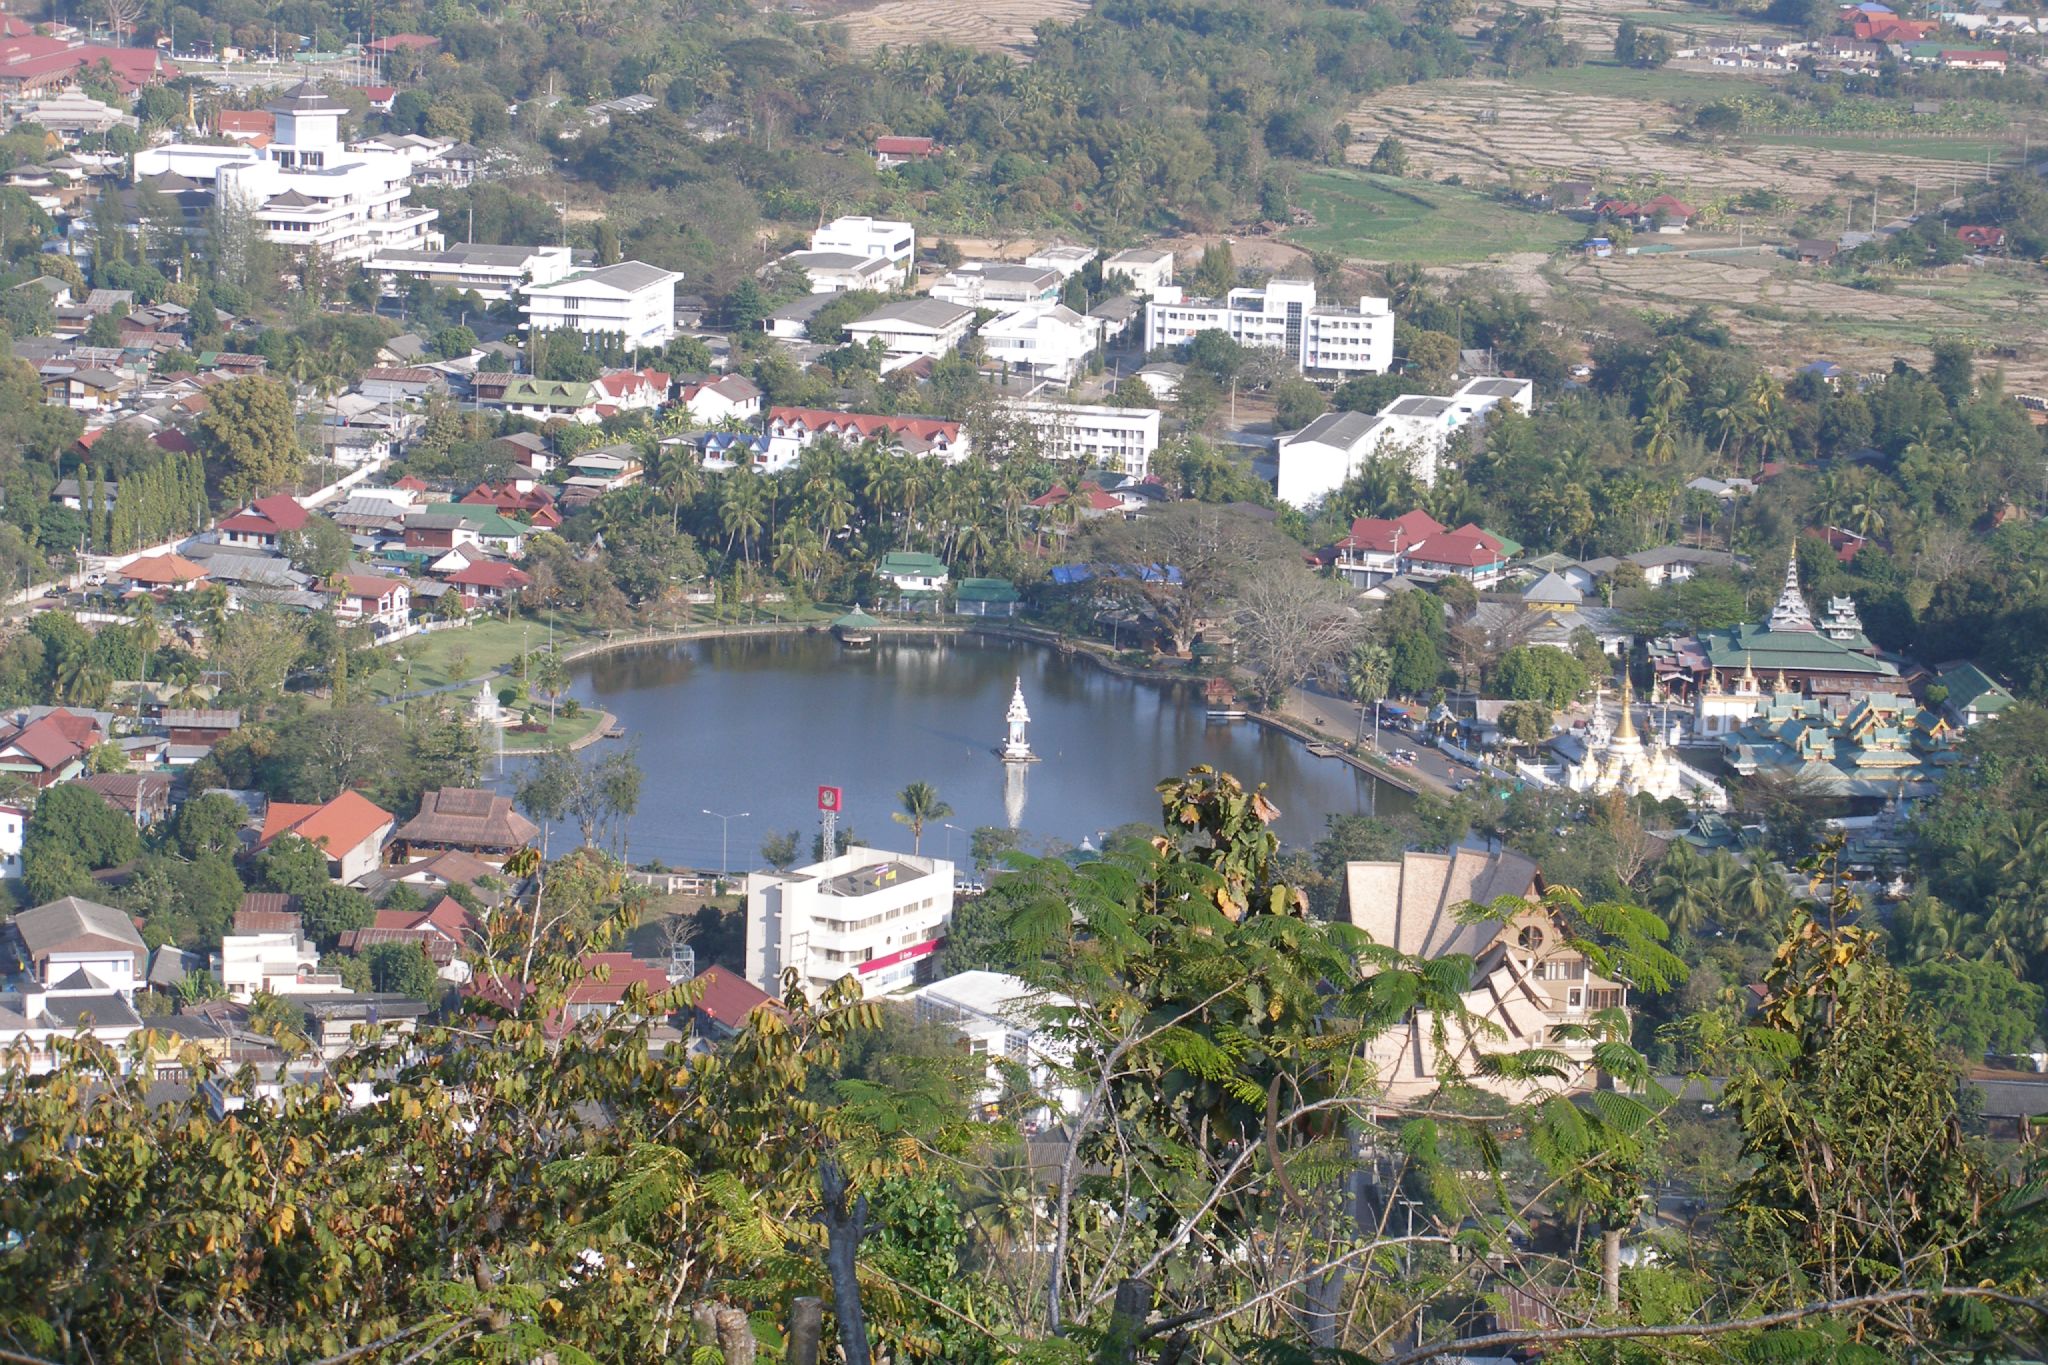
x=921, y=806
x=739, y=512
x=1365, y=677
x=678, y=478
x=798, y=551
x=1684, y=891
x=1757, y=889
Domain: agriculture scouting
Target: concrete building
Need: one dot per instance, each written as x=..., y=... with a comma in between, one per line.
x=871, y=238
x=1150, y=271
x=273, y=962
x=912, y=329
x=1283, y=315
x=307, y=189
x=492, y=273
x=13, y=832
x=631, y=300
x=75, y=944
x=1317, y=460
x=1064, y=257
x=990, y=284
x=1043, y=340
x=998, y=1017
x=1123, y=439
x=867, y=913
x=838, y=272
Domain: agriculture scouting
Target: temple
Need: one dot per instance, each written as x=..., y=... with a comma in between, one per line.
x=1831, y=657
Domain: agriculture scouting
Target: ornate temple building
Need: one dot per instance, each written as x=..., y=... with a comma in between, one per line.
x=1828, y=657
x=1622, y=760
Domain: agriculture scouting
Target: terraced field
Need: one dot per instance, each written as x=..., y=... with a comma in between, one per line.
x=991, y=26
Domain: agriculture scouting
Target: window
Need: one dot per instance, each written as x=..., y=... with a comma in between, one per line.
x=1575, y=998
x=1531, y=938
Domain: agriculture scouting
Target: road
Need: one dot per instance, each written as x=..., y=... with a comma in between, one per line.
x=1338, y=718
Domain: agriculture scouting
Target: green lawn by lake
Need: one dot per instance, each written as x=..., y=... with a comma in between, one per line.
x=1380, y=218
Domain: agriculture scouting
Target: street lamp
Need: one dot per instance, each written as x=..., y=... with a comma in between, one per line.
x=724, y=828
x=950, y=828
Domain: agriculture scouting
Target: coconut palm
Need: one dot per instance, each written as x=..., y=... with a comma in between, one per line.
x=921, y=806
x=1756, y=890
x=798, y=552
x=1684, y=891
x=739, y=512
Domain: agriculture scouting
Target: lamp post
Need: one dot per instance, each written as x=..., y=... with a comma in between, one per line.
x=724, y=828
x=951, y=828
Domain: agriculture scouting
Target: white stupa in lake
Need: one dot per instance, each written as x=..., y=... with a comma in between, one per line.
x=1016, y=748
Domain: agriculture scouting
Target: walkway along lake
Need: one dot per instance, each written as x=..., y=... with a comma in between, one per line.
x=757, y=723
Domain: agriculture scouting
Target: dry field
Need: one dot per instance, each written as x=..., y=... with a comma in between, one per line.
x=992, y=25
x=1493, y=131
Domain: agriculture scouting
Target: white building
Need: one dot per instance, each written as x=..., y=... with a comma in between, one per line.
x=1316, y=461
x=492, y=273
x=837, y=272
x=1045, y=340
x=1149, y=271
x=631, y=300
x=873, y=238
x=80, y=945
x=867, y=913
x=728, y=398
x=1067, y=259
x=912, y=329
x=998, y=1016
x=1115, y=438
x=13, y=830
x=278, y=962
x=1284, y=316
x=990, y=284
x=309, y=190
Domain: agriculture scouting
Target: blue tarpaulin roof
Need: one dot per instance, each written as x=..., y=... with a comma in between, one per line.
x=1067, y=575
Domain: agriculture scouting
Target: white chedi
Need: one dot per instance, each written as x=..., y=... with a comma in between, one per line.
x=1623, y=762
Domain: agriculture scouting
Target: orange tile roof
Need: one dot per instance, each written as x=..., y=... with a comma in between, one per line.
x=343, y=823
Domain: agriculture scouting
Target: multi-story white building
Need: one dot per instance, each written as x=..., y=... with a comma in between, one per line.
x=307, y=189
x=13, y=830
x=1115, y=438
x=274, y=962
x=875, y=238
x=1149, y=271
x=1315, y=461
x=1044, y=340
x=912, y=329
x=999, y=1017
x=990, y=284
x=492, y=273
x=1322, y=339
x=1066, y=258
x=868, y=913
x=631, y=300
x=838, y=272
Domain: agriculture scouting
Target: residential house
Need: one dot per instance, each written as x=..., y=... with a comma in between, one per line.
x=475, y=821
x=1981, y=238
x=1163, y=378
x=13, y=834
x=911, y=329
x=913, y=574
x=144, y=798
x=401, y=383
x=1122, y=439
x=868, y=913
x=839, y=272
x=1066, y=258
x=351, y=828
x=1664, y=213
x=191, y=733
x=52, y=747
x=1467, y=552
x=606, y=467
x=632, y=301
x=1377, y=547
x=263, y=522
x=486, y=582
x=728, y=398
x=521, y=499
x=547, y=400
x=987, y=597
x=1003, y=1020
x=791, y=429
x=1667, y=564
x=68, y=493
x=1317, y=460
x=528, y=450
x=59, y=943
x=85, y=389
x=445, y=932
x=725, y=1002
x=1970, y=695
x=1984, y=59
x=1284, y=315
x=792, y=321
x=631, y=391
x=493, y=273
x=268, y=954
x=169, y=572
x=383, y=603
x=1529, y=988
x=891, y=150
x=876, y=238
x=429, y=532
x=1816, y=251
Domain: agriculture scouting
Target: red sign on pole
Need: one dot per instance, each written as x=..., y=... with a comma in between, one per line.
x=828, y=798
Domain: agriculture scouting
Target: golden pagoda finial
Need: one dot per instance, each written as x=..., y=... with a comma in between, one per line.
x=1627, y=728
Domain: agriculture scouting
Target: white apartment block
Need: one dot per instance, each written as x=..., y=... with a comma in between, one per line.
x=492, y=273
x=990, y=284
x=838, y=272
x=1321, y=339
x=998, y=1017
x=1047, y=341
x=631, y=300
x=276, y=962
x=911, y=329
x=874, y=238
x=1317, y=460
x=309, y=190
x=1123, y=439
x=1149, y=271
x=868, y=913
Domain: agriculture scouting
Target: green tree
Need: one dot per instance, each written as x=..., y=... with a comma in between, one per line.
x=1539, y=673
x=208, y=823
x=249, y=436
x=779, y=851
x=329, y=910
x=1976, y=1008
x=403, y=969
x=921, y=806
x=78, y=822
x=1389, y=158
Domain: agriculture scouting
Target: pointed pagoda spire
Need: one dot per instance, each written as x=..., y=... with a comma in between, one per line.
x=1792, y=613
x=1626, y=730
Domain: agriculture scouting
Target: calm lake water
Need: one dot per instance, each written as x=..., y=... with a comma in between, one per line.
x=757, y=724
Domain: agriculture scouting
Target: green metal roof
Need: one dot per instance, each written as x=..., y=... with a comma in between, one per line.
x=856, y=620
x=987, y=590
x=1971, y=688
x=911, y=562
x=554, y=392
x=1768, y=651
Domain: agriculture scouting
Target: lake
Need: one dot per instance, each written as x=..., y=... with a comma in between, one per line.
x=756, y=724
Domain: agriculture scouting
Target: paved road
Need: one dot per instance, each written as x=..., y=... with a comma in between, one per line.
x=1338, y=718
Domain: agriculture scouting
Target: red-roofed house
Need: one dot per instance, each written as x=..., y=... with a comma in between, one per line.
x=1466, y=552
x=1890, y=28
x=1662, y=214
x=173, y=572
x=722, y=399
x=1981, y=238
x=50, y=749
x=589, y=998
x=1094, y=502
x=262, y=522
x=35, y=62
x=1373, y=552
x=380, y=97
x=487, y=581
x=633, y=390
x=726, y=1002
x=370, y=597
x=442, y=932
x=173, y=440
x=522, y=499
x=254, y=126
x=894, y=151
x=351, y=827
x=791, y=429
x=1986, y=59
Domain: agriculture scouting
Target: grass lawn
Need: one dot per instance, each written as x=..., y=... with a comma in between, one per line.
x=480, y=648
x=564, y=730
x=1613, y=79
x=1380, y=218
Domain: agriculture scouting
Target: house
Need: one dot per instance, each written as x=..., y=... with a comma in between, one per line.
x=192, y=732
x=385, y=603
x=1564, y=196
x=631, y=391
x=263, y=522
x=169, y=572
x=1150, y=271
x=1002, y=1019
x=911, y=329
x=631, y=301
x=466, y=818
x=1284, y=315
x=1065, y=258
x=1986, y=59
x=547, y=400
x=439, y=872
x=1466, y=552
x=455, y=166
x=1971, y=697
x=1890, y=29
x=493, y=273
x=1317, y=460
x=1661, y=214
x=1090, y=499
x=1816, y=251
x=913, y=573
x=874, y=238
x=896, y=151
x=52, y=747
x=989, y=284
x=487, y=581
x=86, y=389
x=444, y=932
x=1046, y=341
x=868, y=913
x=1163, y=378
x=837, y=272
x=68, y=493
x=523, y=499
x=1528, y=986
x=1122, y=439
x=987, y=597
x=528, y=450
x=435, y=531
x=1981, y=238
x=401, y=383
x=59, y=943
x=351, y=828
x=791, y=429
x=270, y=955
x=1377, y=547
x=725, y=1002
x=607, y=467
x=13, y=834
x=728, y=398
x=144, y=798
